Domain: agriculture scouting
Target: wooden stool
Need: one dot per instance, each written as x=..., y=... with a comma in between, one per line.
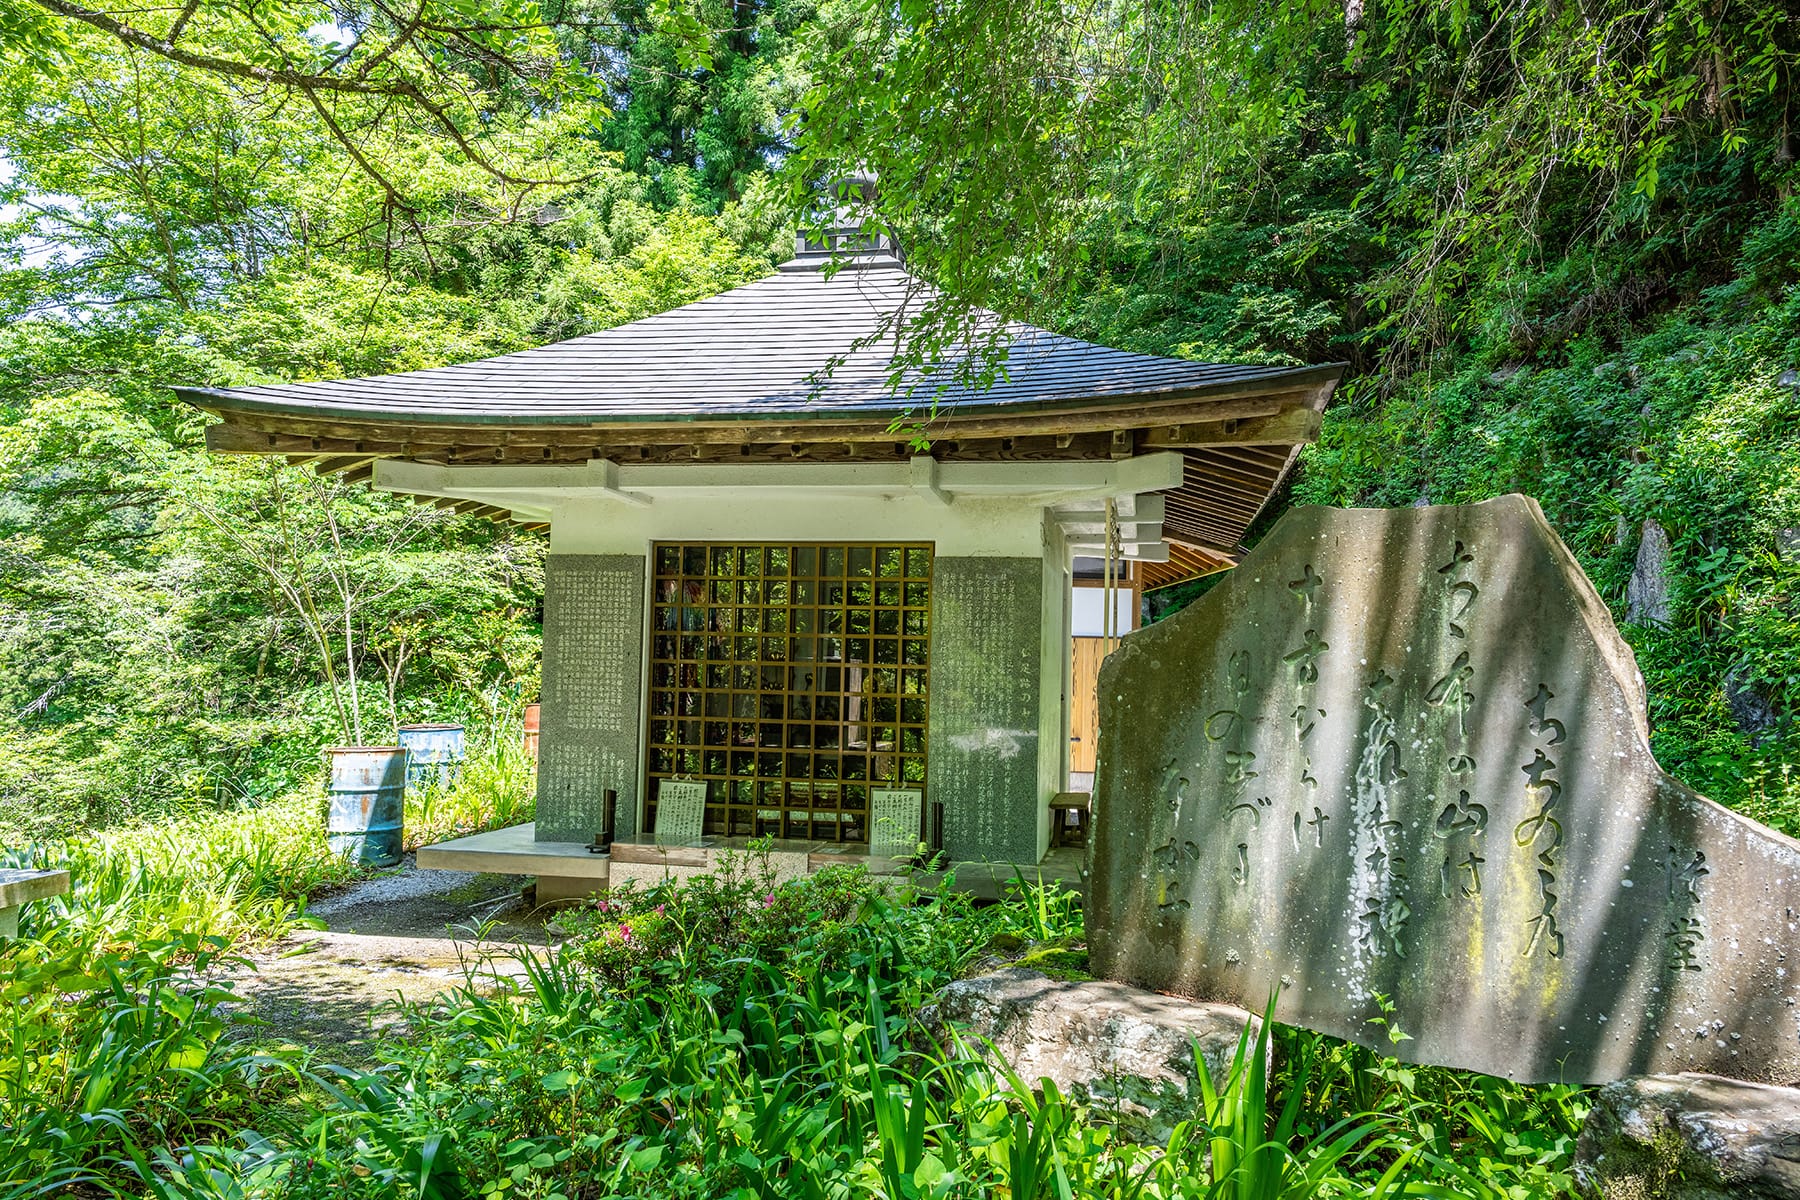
x=1064, y=805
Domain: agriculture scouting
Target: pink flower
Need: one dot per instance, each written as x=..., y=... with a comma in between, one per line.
x=769, y=900
x=659, y=908
x=625, y=933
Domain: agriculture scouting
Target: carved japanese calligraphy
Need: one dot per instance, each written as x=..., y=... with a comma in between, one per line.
x=1307, y=586
x=1403, y=755
x=1305, y=659
x=1174, y=786
x=593, y=647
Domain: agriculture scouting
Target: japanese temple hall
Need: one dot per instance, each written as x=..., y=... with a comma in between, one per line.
x=768, y=610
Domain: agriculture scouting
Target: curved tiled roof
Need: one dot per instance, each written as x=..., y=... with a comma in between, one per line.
x=796, y=343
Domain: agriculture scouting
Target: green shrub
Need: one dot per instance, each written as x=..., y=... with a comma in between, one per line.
x=751, y=1037
x=715, y=927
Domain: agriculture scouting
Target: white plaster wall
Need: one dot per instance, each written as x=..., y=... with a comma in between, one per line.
x=1089, y=615
x=999, y=510
x=971, y=525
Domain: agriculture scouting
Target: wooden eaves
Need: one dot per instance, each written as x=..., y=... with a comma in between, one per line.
x=737, y=379
x=1236, y=449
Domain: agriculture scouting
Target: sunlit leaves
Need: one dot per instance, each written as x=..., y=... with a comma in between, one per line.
x=993, y=127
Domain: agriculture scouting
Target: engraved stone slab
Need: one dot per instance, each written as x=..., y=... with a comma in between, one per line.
x=1404, y=754
x=593, y=663
x=982, y=722
x=897, y=816
x=680, y=812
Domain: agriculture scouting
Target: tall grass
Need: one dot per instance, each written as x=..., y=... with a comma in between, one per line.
x=112, y=1034
x=496, y=786
x=686, y=1060
x=114, y=1012
x=735, y=1037
x=236, y=876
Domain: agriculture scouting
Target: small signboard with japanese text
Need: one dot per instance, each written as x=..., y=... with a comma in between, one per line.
x=680, y=811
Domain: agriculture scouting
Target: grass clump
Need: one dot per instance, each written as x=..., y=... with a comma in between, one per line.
x=494, y=787
x=738, y=1036
x=119, y=1043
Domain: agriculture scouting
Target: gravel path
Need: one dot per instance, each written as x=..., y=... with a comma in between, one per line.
x=409, y=934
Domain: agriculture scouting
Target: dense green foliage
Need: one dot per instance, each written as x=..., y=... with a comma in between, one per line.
x=739, y=1037
x=118, y=1031
x=181, y=629
x=1556, y=244
x=1559, y=247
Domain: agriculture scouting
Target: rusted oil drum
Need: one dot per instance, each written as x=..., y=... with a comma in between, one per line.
x=534, y=716
x=367, y=803
x=433, y=752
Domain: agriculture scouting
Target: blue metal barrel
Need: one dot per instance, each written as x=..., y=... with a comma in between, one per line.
x=435, y=751
x=367, y=803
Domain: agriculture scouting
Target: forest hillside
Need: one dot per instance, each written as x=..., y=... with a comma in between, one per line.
x=1560, y=251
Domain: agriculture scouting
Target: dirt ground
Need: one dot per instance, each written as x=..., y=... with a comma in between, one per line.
x=407, y=934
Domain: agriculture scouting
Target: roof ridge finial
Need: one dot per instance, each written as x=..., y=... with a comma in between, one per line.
x=838, y=228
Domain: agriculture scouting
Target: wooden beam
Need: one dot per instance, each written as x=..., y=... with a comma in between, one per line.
x=1291, y=427
x=1033, y=448
x=1225, y=528
x=1270, y=459
x=340, y=463
x=1216, y=493
x=248, y=432
x=1198, y=535
x=1199, y=546
x=1256, y=482
x=1226, y=503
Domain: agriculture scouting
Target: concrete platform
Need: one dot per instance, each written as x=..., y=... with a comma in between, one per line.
x=19, y=887
x=566, y=870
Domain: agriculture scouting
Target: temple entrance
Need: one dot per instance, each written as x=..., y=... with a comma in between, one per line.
x=790, y=679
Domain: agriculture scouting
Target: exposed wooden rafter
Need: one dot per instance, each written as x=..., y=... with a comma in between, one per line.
x=1234, y=458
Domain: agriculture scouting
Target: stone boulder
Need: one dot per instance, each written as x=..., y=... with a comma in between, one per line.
x=1127, y=1052
x=1752, y=710
x=1647, y=599
x=1691, y=1137
x=1397, y=766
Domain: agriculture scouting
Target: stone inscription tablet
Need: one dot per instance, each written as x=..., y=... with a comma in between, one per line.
x=593, y=662
x=680, y=812
x=983, y=720
x=897, y=815
x=1404, y=754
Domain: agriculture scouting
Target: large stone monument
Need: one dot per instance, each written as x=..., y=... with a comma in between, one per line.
x=1402, y=756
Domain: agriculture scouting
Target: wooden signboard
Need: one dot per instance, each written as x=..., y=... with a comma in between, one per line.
x=895, y=819
x=680, y=811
